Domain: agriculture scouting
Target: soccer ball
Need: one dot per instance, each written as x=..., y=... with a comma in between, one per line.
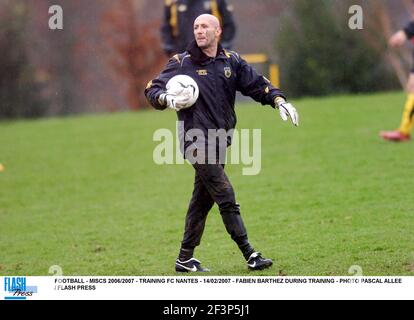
x=183, y=86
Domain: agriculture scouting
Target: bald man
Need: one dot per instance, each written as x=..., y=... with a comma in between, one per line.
x=179, y=16
x=219, y=74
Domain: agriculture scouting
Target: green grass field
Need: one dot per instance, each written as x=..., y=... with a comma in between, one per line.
x=83, y=193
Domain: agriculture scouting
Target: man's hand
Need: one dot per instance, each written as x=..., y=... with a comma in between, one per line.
x=168, y=100
x=173, y=101
x=287, y=110
x=398, y=39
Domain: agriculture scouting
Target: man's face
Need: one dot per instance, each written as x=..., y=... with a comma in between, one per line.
x=206, y=33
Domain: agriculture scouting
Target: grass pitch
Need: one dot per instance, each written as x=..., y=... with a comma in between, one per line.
x=84, y=193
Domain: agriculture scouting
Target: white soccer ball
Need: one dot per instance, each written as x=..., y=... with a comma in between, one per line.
x=185, y=87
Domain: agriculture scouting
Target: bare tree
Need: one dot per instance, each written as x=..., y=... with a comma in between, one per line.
x=134, y=45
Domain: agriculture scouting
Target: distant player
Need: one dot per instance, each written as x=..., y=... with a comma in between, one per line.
x=219, y=74
x=179, y=15
x=403, y=133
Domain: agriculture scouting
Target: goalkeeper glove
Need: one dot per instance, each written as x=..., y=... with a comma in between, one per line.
x=173, y=101
x=287, y=110
x=167, y=100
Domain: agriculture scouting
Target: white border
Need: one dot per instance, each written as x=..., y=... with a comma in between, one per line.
x=220, y=288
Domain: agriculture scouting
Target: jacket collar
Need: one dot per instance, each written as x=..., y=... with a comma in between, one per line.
x=198, y=56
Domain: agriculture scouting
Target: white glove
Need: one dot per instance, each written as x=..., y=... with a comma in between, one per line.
x=172, y=101
x=181, y=100
x=287, y=110
x=167, y=100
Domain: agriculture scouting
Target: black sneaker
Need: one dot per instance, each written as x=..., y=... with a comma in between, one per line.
x=192, y=265
x=257, y=262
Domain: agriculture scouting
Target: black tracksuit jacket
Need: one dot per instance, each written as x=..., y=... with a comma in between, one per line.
x=218, y=80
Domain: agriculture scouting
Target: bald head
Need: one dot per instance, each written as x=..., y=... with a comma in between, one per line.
x=207, y=32
x=208, y=18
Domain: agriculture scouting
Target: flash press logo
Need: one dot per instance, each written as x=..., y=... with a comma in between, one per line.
x=16, y=288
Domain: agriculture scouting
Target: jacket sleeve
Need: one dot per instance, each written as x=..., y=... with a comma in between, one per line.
x=251, y=84
x=167, y=38
x=157, y=86
x=229, y=26
x=409, y=30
